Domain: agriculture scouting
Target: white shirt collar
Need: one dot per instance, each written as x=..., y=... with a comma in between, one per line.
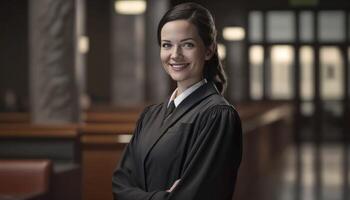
x=185, y=93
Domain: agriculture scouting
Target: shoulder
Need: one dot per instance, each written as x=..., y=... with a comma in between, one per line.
x=221, y=111
x=216, y=99
x=220, y=119
x=218, y=103
x=217, y=107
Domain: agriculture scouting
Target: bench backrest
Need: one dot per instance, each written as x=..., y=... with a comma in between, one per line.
x=25, y=176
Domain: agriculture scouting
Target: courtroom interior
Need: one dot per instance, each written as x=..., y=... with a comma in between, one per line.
x=76, y=74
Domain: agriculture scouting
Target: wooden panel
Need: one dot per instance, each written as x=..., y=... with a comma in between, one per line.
x=106, y=139
x=56, y=142
x=99, y=117
x=99, y=164
x=102, y=148
x=107, y=128
x=67, y=182
x=25, y=130
x=14, y=117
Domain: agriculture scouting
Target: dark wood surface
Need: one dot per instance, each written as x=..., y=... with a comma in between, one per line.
x=31, y=196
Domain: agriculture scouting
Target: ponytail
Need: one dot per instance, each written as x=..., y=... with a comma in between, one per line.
x=215, y=73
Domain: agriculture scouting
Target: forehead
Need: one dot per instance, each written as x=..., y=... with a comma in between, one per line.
x=179, y=29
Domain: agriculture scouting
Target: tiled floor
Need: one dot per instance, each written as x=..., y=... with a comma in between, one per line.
x=307, y=172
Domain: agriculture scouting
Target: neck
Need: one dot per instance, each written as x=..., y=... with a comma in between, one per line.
x=182, y=86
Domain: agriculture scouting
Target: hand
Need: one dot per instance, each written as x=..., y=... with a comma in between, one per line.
x=174, y=185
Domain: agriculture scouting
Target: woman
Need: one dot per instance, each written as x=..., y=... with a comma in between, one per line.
x=189, y=147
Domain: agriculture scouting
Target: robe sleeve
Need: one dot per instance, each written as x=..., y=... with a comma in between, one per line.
x=123, y=186
x=211, y=166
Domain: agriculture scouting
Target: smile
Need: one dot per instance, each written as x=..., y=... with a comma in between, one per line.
x=179, y=67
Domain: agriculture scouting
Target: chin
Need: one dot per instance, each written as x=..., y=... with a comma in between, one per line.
x=177, y=76
x=177, y=79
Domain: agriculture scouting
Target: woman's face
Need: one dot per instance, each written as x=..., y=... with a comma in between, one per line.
x=183, y=52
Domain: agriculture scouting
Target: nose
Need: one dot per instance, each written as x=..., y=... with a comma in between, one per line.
x=177, y=52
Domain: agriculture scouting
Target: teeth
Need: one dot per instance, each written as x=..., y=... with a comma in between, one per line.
x=178, y=66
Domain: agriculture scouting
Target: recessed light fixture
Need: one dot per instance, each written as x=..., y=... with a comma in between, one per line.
x=130, y=7
x=233, y=33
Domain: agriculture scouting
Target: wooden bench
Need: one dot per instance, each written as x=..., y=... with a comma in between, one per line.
x=60, y=144
x=25, y=179
x=112, y=114
x=109, y=117
x=102, y=135
x=88, y=117
x=14, y=117
x=56, y=142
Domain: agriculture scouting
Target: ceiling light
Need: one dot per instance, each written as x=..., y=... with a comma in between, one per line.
x=130, y=7
x=233, y=33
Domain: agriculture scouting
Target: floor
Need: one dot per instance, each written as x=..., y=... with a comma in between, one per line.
x=308, y=172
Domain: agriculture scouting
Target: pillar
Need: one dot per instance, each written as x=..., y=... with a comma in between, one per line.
x=53, y=87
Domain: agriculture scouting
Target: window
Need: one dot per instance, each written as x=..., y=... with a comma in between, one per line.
x=281, y=72
x=306, y=73
x=306, y=26
x=256, y=58
x=331, y=26
x=331, y=66
x=280, y=26
x=255, y=26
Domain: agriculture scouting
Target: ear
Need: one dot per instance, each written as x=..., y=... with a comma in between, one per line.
x=210, y=51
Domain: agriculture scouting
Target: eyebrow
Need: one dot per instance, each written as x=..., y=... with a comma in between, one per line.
x=186, y=39
x=180, y=40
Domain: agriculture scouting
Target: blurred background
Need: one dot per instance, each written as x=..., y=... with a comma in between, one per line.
x=75, y=74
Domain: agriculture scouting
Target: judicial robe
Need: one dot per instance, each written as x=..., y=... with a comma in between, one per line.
x=200, y=143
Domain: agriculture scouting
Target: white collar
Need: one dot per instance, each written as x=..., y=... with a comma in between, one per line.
x=185, y=93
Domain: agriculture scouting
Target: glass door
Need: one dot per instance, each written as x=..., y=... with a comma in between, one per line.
x=331, y=91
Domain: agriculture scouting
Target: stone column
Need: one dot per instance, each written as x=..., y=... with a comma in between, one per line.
x=157, y=81
x=81, y=49
x=128, y=61
x=53, y=86
x=237, y=89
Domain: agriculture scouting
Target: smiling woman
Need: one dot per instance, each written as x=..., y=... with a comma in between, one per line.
x=190, y=146
x=183, y=53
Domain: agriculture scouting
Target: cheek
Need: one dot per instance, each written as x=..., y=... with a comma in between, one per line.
x=199, y=60
x=198, y=57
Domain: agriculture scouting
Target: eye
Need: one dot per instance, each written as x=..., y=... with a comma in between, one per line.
x=166, y=45
x=188, y=45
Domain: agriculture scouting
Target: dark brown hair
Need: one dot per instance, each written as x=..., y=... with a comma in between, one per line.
x=202, y=19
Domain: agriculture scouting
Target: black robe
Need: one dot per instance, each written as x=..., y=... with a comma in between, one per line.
x=200, y=143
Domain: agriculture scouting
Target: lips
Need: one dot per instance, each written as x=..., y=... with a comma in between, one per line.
x=178, y=66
